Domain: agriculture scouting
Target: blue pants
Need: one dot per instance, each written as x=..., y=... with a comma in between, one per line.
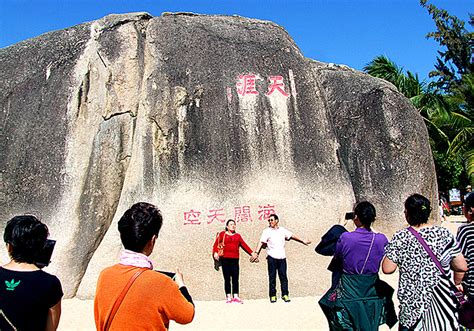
x=275, y=265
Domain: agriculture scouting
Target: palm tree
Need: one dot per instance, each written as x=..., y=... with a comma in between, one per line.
x=408, y=84
x=449, y=117
x=462, y=142
x=432, y=106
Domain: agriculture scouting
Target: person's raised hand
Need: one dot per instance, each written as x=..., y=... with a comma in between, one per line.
x=178, y=278
x=342, y=220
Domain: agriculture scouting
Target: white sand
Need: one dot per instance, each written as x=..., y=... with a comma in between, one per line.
x=300, y=314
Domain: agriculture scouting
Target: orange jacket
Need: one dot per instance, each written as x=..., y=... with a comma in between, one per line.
x=151, y=302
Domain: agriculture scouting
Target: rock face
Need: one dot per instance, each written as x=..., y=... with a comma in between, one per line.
x=210, y=118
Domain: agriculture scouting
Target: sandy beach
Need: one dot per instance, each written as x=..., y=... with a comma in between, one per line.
x=302, y=313
x=299, y=314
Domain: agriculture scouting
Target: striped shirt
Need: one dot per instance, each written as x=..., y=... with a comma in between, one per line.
x=465, y=238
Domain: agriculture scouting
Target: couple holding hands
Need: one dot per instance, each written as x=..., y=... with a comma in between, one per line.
x=274, y=238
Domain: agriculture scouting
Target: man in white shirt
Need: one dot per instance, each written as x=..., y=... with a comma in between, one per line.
x=275, y=237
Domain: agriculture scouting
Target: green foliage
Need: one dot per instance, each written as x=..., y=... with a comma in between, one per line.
x=447, y=103
x=454, y=73
x=450, y=172
x=384, y=68
x=455, y=57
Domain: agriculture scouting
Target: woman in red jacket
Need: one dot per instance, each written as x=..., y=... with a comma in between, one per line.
x=230, y=260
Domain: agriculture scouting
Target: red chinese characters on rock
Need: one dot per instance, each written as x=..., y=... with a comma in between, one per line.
x=216, y=215
x=242, y=214
x=192, y=217
x=265, y=211
x=276, y=84
x=246, y=85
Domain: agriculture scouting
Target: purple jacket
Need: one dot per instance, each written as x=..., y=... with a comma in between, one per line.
x=353, y=247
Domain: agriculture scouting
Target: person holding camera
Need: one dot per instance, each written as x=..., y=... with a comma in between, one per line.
x=358, y=300
x=30, y=298
x=131, y=295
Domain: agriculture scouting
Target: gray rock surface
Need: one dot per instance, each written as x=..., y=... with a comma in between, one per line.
x=208, y=117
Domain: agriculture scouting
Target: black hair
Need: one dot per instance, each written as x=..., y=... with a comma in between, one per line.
x=26, y=235
x=418, y=209
x=274, y=216
x=227, y=223
x=138, y=225
x=365, y=212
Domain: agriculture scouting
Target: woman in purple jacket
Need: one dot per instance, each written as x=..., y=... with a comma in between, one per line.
x=362, y=250
x=360, y=300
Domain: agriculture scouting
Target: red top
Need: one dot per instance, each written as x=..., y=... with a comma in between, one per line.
x=231, y=245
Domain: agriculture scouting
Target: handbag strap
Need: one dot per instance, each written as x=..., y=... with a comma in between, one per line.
x=368, y=254
x=223, y=238
x=427, y=249
x=120, y=298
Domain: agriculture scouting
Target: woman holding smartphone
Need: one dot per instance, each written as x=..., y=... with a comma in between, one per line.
x=150, y=299
x=30, y=298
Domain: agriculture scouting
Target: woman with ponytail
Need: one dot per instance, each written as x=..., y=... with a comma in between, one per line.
x=423, y=290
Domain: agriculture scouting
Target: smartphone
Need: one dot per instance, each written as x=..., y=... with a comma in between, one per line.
x=349, y=216
x=44, y=257
x=171, y=275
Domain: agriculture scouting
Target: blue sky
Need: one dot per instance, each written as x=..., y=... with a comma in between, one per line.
x=347, y=32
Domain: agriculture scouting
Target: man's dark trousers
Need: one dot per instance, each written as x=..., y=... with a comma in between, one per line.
x=275, y=265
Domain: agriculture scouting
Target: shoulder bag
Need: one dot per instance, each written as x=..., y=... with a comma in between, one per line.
x=220, y=246
x=368, y=254
x=464, y=307
x=457, y=295
x=120, y=298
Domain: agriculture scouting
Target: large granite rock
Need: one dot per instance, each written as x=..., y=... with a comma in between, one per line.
x=210, y=118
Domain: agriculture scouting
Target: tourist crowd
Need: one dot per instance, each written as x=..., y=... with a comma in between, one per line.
x=435, y=290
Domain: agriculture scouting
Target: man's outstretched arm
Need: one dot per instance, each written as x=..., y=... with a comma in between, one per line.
x=298, y=239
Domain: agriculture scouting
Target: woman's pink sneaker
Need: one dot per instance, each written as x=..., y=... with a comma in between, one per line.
x=229, y=300
x=237, y=300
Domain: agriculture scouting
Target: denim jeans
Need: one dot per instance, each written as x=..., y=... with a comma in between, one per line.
x=274, y=266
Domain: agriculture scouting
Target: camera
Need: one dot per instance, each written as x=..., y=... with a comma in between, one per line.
x=349, y=216
x=171, y=275
x=44, y=257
